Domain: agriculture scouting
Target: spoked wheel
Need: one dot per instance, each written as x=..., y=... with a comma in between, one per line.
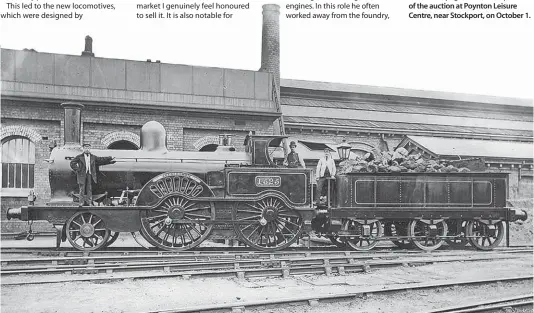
x=112, y=238
x=336, y=240
x=485, y=237
x=392, y=229
x=267, y=224
x=457, y=228
x=86, y=231
x=160, y=228
x=361, y=241
x=428, y=238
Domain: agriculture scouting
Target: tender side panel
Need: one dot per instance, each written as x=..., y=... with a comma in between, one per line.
x=426, y=191
x=431, y=196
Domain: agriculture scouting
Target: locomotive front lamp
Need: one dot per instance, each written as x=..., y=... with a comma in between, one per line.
x=343, y=150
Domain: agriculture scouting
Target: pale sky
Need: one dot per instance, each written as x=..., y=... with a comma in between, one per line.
x=489, y=57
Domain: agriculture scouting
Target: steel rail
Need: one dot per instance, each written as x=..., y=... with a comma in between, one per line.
x=239, y=269
x=229, y=250
x=492, y=304
x=229, y=264
x=496, y=307
x=81, y=260
x=355, y=294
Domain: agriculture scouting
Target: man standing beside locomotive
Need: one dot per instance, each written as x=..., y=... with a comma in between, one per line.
x=85, y=165
x=293, y=159
x=326, y=168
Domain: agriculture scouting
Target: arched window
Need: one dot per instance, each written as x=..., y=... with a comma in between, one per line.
x=18, y=162
x=210, y=147
x=123, y=145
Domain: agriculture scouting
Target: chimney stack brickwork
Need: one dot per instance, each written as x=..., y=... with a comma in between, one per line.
x=88, y=51
x=72, y=123
x=270, y=52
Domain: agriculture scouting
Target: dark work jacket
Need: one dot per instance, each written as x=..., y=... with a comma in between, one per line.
x=293, y=160
x=79, y=166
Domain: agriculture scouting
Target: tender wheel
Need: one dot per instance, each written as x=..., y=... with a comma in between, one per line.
x=267, y=224
x=484, y=237
x=361, y=241
x=86, y=231
x=457, y=228
x=425, y=237
x=159, y=229
x=336, y=240
x=393, y=229
x=112, y=238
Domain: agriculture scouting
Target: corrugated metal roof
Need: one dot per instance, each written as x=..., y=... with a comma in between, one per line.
x=398, y=117
x=403, y=92
x=406, y=126
x=474, y=148
x=403, y=108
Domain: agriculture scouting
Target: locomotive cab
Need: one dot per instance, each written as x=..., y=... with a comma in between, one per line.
x=261, y=148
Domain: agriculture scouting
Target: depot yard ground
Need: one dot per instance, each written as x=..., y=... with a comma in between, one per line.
x=161, y=294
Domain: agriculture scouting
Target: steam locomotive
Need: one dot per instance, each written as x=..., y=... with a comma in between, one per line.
x=176, y=200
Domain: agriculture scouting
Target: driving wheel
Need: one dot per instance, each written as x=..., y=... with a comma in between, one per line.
x=267, y=224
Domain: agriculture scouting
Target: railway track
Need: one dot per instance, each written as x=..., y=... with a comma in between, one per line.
x=496, y=305
x=66, y=252
x=126, y=256
x=359, y=293
x=225, y=265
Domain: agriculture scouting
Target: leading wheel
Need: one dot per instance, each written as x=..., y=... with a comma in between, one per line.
x=363, y=241
x=267, y=224
x=426, y=236
x=483, y=236
x=86, y=231
x=177, y=223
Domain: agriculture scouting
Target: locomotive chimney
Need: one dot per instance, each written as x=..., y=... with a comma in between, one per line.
x=72, y=124
x=270, y=45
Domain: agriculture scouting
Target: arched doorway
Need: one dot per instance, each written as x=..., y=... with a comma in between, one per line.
x=123, y=145
x=210, y=147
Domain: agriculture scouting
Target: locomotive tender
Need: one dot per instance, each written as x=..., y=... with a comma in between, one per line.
x=176, y=200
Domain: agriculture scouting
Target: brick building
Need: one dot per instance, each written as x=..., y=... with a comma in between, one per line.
x=196, y=104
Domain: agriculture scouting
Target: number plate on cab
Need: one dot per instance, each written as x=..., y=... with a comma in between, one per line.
x=268, y=181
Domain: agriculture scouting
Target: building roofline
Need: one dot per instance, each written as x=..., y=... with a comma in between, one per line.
x=403, y=92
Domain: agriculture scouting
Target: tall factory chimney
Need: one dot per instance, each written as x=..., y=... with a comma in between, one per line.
x=270, y=46
x=72, y=124
x=270, y=56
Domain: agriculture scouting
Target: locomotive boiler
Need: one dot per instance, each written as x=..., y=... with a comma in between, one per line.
x=177, y=199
